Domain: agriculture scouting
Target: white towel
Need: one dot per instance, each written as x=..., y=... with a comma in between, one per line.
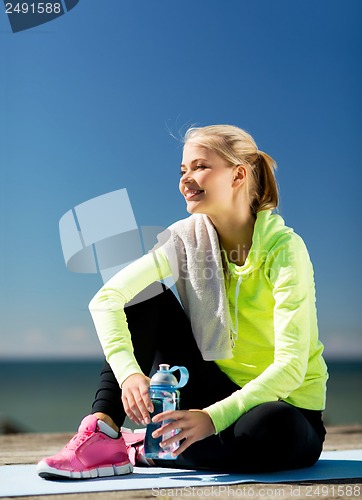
x=193, y=250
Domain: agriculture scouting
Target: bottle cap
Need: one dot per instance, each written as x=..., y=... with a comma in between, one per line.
x=164, y=377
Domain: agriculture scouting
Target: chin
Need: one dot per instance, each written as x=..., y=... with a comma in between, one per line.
x=194, y=209
x=191, y=208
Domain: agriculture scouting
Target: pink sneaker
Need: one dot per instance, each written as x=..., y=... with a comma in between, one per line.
x=90, y=453
x=134, y=442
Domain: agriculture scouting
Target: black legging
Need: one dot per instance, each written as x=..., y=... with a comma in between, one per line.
x=271, y=436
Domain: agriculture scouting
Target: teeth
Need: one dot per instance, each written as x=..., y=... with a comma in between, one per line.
x=192, y=192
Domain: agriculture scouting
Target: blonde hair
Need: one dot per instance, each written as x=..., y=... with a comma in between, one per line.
x=237, y=147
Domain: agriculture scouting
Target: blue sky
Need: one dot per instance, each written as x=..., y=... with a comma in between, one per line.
x=89, y=103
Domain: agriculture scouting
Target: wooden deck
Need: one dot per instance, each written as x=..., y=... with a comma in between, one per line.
x=30, y=448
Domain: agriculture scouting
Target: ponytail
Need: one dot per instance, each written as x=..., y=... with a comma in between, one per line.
x=266, y=194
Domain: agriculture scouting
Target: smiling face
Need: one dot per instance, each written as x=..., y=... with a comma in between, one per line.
x=207, y=181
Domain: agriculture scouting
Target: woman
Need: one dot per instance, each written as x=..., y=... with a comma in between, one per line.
x=246, y=329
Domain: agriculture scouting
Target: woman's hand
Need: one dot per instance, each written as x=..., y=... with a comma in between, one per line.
x=136, y=399
x=193, y=426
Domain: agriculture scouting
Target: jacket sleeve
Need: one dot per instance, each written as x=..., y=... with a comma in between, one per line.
x=107, y=310
x=289, y=271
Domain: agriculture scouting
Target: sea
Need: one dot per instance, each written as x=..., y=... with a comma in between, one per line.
x=53, y=396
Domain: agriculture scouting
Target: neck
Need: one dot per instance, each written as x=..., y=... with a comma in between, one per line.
x=235, y=234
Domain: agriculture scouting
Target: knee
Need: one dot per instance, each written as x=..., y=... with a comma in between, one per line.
x=270, y=430
x=266, y=417
x=273, y=434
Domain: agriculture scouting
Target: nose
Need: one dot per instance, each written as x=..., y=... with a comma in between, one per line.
x=186, y=178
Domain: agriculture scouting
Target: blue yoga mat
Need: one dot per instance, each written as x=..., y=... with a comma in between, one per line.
x=22, y=480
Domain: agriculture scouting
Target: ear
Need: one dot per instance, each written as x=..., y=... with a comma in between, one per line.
x=239, y=175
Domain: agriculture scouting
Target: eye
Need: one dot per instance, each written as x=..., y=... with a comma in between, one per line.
x=182, y=172
x=202, y=167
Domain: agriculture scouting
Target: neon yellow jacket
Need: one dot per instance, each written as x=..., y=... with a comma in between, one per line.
x=276, y=353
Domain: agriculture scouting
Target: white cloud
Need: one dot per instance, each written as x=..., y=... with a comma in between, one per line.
x=71, y=342
x=79, y=341
x=342, y=345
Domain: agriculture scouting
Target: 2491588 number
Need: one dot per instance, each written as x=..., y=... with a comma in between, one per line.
x=33, y=8
x=333, y=490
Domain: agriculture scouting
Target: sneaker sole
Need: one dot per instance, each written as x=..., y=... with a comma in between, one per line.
x=133, y=437
x=134, y=431
x=47, y=472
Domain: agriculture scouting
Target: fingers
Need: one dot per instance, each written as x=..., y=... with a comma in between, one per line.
x=169, y=415
x=171, y=427
x=173, y=419
x=192, y=426
x=167, y=429
x=135, y=408
x=136, y=400
x=179, y=437
x=183, y=446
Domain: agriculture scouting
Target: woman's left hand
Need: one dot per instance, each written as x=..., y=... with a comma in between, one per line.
x=193, y=425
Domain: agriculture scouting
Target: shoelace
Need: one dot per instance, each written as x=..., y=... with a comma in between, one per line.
x=133, y=451
x=78, y=439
